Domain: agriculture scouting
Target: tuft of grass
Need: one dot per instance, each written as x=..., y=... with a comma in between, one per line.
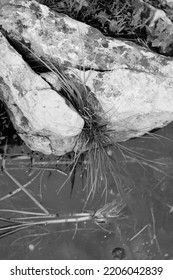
x=93, y=144
x=96, y=147
x=95, y=150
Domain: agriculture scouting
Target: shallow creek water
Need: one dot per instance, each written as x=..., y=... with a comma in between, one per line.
x=145, y=232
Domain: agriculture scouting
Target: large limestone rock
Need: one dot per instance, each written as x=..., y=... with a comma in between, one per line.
x=40, y=115
x=150, y=22
x=133, y=84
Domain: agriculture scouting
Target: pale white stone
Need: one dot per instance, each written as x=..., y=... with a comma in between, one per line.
x=132, y=84
x=40, y=114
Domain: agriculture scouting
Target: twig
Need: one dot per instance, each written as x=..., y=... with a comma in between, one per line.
x=109, y=211
x=75, y=231
x=21, y=186
x=139, y=232
x=26, y=212
x=76, y=218
x=154, y=231
x=10, y=194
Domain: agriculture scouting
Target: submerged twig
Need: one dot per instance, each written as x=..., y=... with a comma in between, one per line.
x=154, y=231
x=21, y=186
x=21, y=162
x=139, y=232
x=19, y=189
x=106, y=213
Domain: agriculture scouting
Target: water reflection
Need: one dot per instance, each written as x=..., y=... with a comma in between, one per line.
x=144, y=230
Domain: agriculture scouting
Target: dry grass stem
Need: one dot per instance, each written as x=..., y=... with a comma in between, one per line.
x=139, y=232
x=154, y=232
x=108, y=212
x=20, y=186
x=19, y=189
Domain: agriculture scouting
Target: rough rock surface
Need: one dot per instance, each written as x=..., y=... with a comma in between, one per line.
x=133, y=84
x=149, y=21
x=40, y=115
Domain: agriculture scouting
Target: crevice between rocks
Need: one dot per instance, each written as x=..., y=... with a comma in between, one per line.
x=36, y=65
x=39, y=68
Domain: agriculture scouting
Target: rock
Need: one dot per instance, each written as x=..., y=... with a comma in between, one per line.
x=40, y=115
x=132, y=84
x=150, y=22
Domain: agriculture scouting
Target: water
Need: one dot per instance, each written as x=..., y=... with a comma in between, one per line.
x=144, y=232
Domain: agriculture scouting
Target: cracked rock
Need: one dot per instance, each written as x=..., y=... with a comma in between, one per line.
x=132, y=84
x=40, y=115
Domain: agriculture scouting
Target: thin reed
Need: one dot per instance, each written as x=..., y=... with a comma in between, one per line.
x=108, y=213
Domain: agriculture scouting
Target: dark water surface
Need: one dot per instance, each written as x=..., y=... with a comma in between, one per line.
x=144, y=232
